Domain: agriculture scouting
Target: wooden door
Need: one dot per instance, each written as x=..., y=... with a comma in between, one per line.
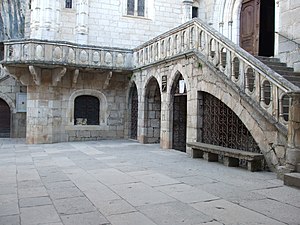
x=249, y=26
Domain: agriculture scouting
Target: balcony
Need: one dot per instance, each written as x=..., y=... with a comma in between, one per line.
x=50, y=54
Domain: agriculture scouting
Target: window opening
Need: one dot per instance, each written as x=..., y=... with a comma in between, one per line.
x=141, y=7
x=68, y=4
x=194, y=12
x=130, y=7
x=86, y=110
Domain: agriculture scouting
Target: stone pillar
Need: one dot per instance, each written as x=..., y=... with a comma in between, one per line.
x=45, y=16
x=187, y=10
x=82, y=16
x=166, y=122
x=293, y=147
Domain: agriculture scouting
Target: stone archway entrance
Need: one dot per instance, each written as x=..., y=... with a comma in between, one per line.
x=134, y=104
x=257, y=27
x=4, y=119
x=153, y=112
x=179, y=114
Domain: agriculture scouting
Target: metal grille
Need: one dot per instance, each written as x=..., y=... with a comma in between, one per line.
x=87, y=110
x=179, y=122
x=4, y=120
x=223, y=128
x=134, y=113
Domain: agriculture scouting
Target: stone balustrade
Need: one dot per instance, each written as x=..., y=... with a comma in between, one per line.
x=50, y=53
x=263, y=85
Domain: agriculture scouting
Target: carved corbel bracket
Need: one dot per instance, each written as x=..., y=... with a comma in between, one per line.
x=107, y=81
x=36, y=74
x=57, y=74
x=20, y=74
x=75, y=77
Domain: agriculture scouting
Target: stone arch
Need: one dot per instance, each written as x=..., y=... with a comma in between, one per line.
x=152, y=111
x=178, y=111
x=103, y=105
x=9, y=102
x=132, y=115
x=262, y=132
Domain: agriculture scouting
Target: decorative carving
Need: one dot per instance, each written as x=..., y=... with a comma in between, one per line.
x=57, y=74
x=83, y=56
x=120, y=60
x=57, y=53
x=108, y=59
x=164, y=83
x=96, y=57
x=71, y=55
x=39, y=52
x=36, y=74
x=25, y=52
x=106, y=83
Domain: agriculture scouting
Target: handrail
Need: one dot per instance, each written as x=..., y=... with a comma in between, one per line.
x=250, y=75
x=287, y=38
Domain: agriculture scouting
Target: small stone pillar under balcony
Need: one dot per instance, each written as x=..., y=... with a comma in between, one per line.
x=293, y=147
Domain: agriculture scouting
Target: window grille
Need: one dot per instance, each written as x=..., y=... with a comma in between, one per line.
x=86, y=110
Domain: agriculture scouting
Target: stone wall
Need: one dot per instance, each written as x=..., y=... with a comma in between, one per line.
x=289, y=33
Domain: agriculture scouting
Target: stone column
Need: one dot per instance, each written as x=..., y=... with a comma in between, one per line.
x=44, y=19
x=82, y=16
x=293, y=147
x=187, y=10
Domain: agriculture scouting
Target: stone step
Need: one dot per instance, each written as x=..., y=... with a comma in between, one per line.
x=281, y=68
x=292, y=179
x=269, y=59
x=268, y=63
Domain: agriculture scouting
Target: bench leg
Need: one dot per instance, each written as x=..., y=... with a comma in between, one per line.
x=254, y=165
x=196, y=153
x=210, y=157
x=231, y=162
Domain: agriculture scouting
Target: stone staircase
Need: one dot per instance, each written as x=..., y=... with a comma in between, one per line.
x=282, y=69
x=290, y=179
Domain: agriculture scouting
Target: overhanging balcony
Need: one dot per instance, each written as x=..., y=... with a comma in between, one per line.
x=51, y=54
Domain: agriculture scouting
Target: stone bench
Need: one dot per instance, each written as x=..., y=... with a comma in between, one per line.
x=231, y=156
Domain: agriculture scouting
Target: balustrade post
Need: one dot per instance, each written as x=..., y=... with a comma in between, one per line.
x=293, y=146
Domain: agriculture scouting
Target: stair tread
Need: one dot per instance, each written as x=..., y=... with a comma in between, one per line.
x=292, y=179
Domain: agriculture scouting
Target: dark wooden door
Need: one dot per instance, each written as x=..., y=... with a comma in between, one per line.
x=4, y=120
x=249, y=26
x=134, y=113
x=179, y=122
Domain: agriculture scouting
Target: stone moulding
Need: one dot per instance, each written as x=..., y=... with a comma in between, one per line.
x=50, y=53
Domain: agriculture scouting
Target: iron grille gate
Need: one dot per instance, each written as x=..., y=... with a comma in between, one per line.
x=179, y=122
x=222, y=127
x=87, y=108
x=134, y=113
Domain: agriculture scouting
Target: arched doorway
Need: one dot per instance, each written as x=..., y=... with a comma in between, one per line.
x=152, y=112
x=257, y=27
x=179, y=96
x=133, y=106
x=4, y=119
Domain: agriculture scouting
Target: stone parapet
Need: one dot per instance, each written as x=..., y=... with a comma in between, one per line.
x=52, y=54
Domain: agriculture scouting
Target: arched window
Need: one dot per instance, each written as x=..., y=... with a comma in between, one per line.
x=86, y=110
x=69, y=4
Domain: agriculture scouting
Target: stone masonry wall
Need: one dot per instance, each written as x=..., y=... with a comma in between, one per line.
x=289, y=26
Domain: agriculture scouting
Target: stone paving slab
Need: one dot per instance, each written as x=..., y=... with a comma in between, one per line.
x=123, y=182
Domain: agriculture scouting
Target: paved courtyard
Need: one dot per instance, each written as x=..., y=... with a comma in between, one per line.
x=125, y=183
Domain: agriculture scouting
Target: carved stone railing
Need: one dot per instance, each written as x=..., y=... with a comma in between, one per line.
x=50, y=53
x=263, y=85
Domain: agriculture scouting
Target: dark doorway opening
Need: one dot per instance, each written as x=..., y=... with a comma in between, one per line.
x=257, y=27
x=134, y=112
x=86, y=110
x=267, y=28
x=4, y=119
x=179, y=114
